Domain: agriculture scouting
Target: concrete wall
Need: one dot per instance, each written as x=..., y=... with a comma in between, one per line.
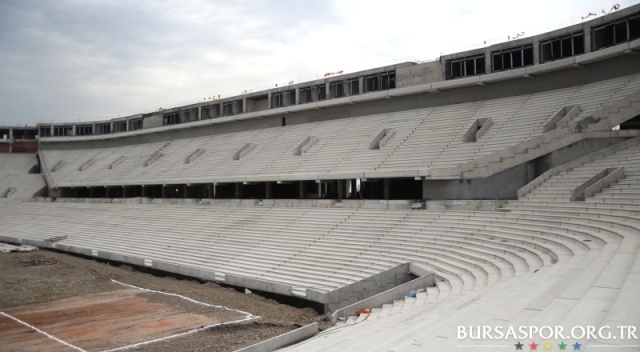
x=419, y=74
x=362, y=289
x=283, y=340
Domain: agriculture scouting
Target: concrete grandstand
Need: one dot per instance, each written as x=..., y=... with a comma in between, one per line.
x=508, y=178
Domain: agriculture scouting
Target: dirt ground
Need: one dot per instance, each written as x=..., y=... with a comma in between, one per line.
x=41, y=284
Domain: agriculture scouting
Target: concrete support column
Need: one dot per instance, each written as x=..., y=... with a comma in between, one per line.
x=199, y=113
x=214, y=190
x=385, y=189
x=327, y=89
x=268, y=190
x=361, y=84
x=341, y=189
x=73, y=129
x=245, y=108
x=300, y=189
x=239, y=191
x=297, y=96
x=588, y=47
x=319, y=190
x=536, y=51
x=487, y=60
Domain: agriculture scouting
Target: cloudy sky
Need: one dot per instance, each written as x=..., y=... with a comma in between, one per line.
x=83, y=60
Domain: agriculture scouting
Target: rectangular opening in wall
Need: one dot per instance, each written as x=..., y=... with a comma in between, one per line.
x=277, y=100
x=289, y=98
x=170, y=118
x=512, y=58
x=103, y=128
x=84, y=130
x=45, y=131
x=305, y=95
x=616, y=32
x=61, y=131
x=371, y=83
x=353, y=86
x=388, y=80
x=463, y=67
x=336, y=89
x=135, y=124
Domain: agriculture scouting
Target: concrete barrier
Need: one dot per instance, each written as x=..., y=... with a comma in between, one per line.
x=596, y=183
x=426, y=278
x=257, y=284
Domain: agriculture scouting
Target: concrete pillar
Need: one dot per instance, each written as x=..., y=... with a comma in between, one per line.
x=51, y=131
x=297, y=96
x=245, y=108
x=487, y=60
x=360, y=85
x=269, y=100
x=214, y=190
x=536, y=51
x=319, y=190
x=73, y=129
x=199, y=112
x=268, y=193
x=327, y=89
x=341, y=187
x=300, y=189
x=588, y=47
x=385, y=189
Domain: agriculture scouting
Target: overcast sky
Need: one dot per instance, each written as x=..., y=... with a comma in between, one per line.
x=83, y=60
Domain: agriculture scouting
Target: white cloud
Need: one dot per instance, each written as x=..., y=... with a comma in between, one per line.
x=70, y=59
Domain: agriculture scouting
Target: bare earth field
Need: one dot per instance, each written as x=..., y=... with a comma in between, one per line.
x=52, y=301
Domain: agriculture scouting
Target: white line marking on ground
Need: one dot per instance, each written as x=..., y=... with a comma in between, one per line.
x=248, y=316
x=42, y=332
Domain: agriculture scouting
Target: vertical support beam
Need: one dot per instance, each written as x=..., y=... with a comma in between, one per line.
x=268, y=190
x=73, y=129
x=327, y=89
x=319, y=190
x=588, y=46
x=245, y=107
x=386, y=191
x=487, y=60
x=341, y=189
x=300, y=189
x=199, y=112
x=360, y=85
x=107, y=193
x=297, y=98
x=536, y=51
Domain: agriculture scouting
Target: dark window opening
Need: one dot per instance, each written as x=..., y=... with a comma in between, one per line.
x=103, y=128
x=45, y=131
x=380, y=81
x=313, y=93
x=336, y=89
x=620, y=31
x=512, y=58
x=172, y=118
x=120, y=126
x=135, y=124
x=232, y=108
x=371, y=83
x=277, y=100
x=467, y=66
x=562, y=47
x=353, y=86
x=62, y=130
x=84, y=130
x=284, y=121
